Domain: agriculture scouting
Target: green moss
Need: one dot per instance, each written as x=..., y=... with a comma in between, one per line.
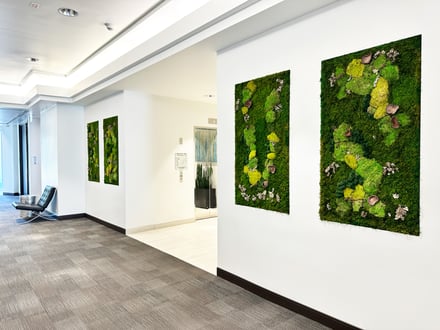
x=379, y=62
x=350, y=160
x=372, y=133
x=355, y=68
x=360, y=86
x=371, y=171
x=344, y=148
x=379, y=94
x=249, y=135
x=270, y=116
x=272, y=100
x=255, y=133
x=378, y=209
x=111, y=153
x=93, y=151
x=390, y=72
x=340, y=133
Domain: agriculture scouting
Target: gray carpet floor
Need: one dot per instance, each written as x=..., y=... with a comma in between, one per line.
x=77, y=274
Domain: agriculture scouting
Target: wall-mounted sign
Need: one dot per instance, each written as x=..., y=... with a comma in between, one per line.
x=180, y=161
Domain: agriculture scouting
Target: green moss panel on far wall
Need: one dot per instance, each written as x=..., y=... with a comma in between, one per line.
x=93, y=151
x=111, y=154
x=262, y=142
x=370, y=137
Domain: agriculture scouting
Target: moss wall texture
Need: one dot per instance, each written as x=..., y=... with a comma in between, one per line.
x=262, y=142
x=370, y=137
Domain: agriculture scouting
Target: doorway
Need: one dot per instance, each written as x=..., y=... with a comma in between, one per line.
x=23, y=154
x=205, y=196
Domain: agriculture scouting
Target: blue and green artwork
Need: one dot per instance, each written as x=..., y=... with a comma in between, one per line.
x=262, y=142
x=370, y=137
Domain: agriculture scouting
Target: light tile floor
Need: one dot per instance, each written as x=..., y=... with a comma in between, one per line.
x=194, y=243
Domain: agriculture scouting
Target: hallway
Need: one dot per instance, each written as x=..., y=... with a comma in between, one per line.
x=77, y=274
x=194, y=243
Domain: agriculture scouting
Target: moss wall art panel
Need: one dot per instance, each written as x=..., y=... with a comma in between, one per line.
x=93, y=151
x=111, y=154
x=262, y=142
x=370, y=137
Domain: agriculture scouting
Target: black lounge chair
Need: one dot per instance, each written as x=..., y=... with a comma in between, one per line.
x=38, y=209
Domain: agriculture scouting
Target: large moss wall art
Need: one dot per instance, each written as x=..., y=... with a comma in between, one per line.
x=93, y=151
x=370, y=137
x=262, y=142
x=111, y=155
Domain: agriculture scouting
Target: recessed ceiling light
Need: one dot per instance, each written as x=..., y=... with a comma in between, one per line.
x=32, y=59
x=68, y=12
x=108, y=26
x=34, y=5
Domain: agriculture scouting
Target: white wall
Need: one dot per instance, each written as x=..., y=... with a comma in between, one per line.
x=71, y=159
x=34, y=157
x=154, y=139
x=106, y=201
x=49, y=149
x=10, y=159
x=63, y=151
x=369, y=278
x=149, y=192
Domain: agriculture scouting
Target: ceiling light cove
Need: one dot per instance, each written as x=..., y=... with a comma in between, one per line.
x=68, y=12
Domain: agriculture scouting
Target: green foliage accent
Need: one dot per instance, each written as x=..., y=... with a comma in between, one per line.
x=361, y=85
x=249, y=136
x=350, y=160
x=272, y=100
x=344, y=148
x=261, y=182
x=254, y=177
x=390, y=72
x=355, y=68
x=111, y=154
x=203, y=176
x=342, y=93
x=378, y=210
x=379, y=62
x=270, y=116
x=403, y=119
x=361, y=137
x=379, y=94
x=273, y=137
x=246, y=95
x=93, y=151
x=339, y=134
x=371, y=171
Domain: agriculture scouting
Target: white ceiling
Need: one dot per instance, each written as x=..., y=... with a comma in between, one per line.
x=151, y=41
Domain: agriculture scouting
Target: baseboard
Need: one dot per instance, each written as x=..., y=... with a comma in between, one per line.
x=11, y=194
x=71, y=216
x=285, y=302
x=104, y=223
x=159, y=225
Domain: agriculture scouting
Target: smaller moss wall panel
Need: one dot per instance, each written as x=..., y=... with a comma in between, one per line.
x=93, y=151
x=262, y=142
x=111, y=153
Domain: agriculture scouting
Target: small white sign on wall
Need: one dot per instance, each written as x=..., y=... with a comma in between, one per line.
x=180, y=161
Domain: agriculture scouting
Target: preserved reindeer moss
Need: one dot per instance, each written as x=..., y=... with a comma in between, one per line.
x=374, y=149
x=262, y=142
